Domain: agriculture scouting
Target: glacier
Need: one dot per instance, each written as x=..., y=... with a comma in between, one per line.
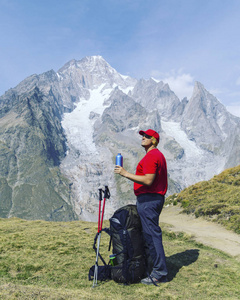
x=197, y=164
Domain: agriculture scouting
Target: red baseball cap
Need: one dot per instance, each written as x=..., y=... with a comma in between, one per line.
x=150, y=132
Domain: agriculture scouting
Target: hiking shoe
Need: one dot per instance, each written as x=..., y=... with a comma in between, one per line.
x=151, y=280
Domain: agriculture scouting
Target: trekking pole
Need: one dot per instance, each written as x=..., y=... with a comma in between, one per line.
x=100, y=222
x=98, y=242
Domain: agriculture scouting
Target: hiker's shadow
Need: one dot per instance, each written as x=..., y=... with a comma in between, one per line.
x=176, y=261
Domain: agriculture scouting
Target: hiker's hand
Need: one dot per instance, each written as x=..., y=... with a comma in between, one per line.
x=119, y=170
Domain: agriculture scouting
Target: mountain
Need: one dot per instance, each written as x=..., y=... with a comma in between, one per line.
x=60, y=133
x=204, y=113
x=32, y=144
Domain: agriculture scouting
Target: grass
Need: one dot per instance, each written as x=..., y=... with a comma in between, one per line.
x=51, y=260
x=217, y=199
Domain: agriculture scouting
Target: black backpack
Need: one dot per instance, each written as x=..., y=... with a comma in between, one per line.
x=128, y=245
x=128, y=265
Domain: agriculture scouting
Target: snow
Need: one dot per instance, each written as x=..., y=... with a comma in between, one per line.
x=174, y=130
x=197, y=164
x=126, y=90
x=77, y=124
x=97, y=57
x=124, y=76
x=156, y=80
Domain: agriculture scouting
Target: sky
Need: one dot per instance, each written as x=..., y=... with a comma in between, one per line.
x=177, y=41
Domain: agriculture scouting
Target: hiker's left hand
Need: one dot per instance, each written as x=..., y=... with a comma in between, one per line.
x=119, y=170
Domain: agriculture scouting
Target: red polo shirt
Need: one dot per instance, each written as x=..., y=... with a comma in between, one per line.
x=153, y=162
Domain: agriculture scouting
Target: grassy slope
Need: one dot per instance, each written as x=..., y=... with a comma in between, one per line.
x=51, y=260
x=217, y=199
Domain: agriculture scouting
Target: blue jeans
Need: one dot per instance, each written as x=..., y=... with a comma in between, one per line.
x=149, y=207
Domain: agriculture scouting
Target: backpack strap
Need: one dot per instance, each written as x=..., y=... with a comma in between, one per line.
x=107, y=230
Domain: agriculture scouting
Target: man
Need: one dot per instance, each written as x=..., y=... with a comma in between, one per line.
x=150, y=186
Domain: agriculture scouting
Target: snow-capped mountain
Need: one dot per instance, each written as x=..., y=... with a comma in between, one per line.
x=100, y=113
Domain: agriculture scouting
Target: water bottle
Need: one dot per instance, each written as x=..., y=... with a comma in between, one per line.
x=119, y=160
x=113, y=260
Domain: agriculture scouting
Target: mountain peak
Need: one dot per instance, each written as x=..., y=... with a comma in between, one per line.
x=90, y=64
x=96, y=58
x=201, y=94
x=198, y=87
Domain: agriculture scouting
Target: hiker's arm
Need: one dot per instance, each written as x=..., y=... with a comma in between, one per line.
x=146, y=179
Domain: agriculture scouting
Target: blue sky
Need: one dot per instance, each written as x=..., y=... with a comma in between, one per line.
x=178, y=41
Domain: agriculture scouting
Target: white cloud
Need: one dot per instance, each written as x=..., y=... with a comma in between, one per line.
x=181, y=83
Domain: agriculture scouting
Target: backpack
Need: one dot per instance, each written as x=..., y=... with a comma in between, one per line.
x=128, y=245
x=128, y=263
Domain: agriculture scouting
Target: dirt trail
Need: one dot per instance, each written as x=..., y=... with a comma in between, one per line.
x=207, y=233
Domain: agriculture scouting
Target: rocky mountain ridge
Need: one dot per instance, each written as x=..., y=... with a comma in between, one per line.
x=32, y=144
x=91, y=113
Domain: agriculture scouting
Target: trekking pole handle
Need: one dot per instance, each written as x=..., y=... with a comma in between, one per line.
x=106, y=192
x=100, y=194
